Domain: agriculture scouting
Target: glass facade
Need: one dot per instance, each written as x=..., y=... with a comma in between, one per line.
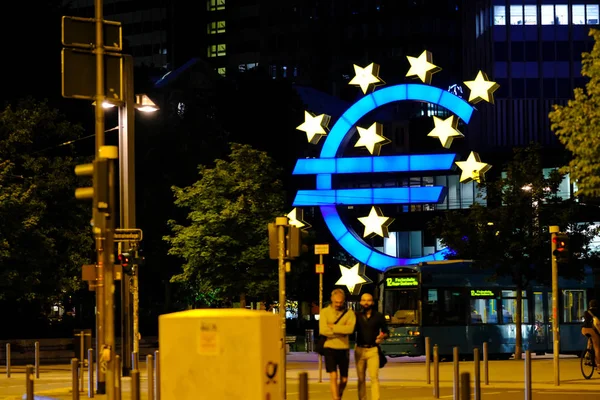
x=547, y=14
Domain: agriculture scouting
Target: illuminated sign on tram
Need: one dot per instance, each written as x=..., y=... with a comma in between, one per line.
x=401, y=282
x=482, y=293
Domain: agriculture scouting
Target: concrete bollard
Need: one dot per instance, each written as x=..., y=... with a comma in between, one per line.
x=37, y=359
x=465, y=386
x=8, y=360
x=528, y=393
x=150, y=376
x=75, y=378
x=303, y=388
x=456, y=373
x=476, y=375
x=118, y=389
x=486, y=371
x=436, y=373
x=90, y=373
x=157, y=375
x=135, y=385
x=29, y=382
x=428, y=360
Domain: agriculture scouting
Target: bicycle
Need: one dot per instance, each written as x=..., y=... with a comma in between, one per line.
x=588, y=359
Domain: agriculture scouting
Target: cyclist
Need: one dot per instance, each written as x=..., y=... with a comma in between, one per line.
x=590, y=330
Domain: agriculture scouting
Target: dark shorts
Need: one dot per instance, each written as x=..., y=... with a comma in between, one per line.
x=335, y=359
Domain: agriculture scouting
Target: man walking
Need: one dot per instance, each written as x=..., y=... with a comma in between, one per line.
x=371, y=329
x=337, y=323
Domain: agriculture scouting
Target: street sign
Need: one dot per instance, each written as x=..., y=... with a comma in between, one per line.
x=321, y=248
x=128, y=235
x=320, y=268
x=81, y=32
x=79, y=75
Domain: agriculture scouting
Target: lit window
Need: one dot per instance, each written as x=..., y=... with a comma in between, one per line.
x=221, y=71
x=216, y=27
x=578, y=14
x=592, y=14
x=562, y=14
x=516, y=15
x=214, y=5
x=530, y=15
x=499, y=15
x=547, y=15
x=216, y=50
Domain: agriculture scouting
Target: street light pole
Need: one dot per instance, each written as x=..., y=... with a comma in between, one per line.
x=127, y=201
x=555, y=330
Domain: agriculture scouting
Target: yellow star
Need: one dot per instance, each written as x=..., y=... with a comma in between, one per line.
x=315, y=126
x=481, y=89
x=353, y=278
x=446, y=130
x=375, y=223
x=472, y=169
x=372, y=138
x=296, y=218
x=367, y=78
x=422, y=67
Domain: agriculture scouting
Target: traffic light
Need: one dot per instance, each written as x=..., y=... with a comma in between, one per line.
x=98, y=193
x=125, y=260
x=294, y=240
x=273, y=241
x=561, y=248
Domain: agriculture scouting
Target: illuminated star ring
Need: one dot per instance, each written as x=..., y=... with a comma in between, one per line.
x=335, y=143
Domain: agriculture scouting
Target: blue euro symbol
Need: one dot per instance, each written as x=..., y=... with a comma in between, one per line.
x=330, y=162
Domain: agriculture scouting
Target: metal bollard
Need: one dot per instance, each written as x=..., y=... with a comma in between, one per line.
x=135, y=360
x=150, y=376
x=486, y=373
x=309, y=340
x=427, y=360
x=8, y=360
x=135, y=385
x=118, y=377
x=476, y=375
x=157, y=375
x=75, y=378
x=436, y=373
x=528, y=375
x=465, y=388
x=90, y=373
x=29, y=382
x=37, y=359
x=456, y=372
x=303, y=389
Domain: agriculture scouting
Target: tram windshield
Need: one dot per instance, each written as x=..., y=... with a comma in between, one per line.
x=402, y=306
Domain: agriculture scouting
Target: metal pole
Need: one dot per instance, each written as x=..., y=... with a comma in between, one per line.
x=29, y=382
x=90, y=373
x=303, y=388
x=136, y=308
x=157, y=373
x=320, y=308
x=8, y=360
x=97, y=216
x=118, y=387
x=81, y=358
x=127, y=200
x=554, y=229
x=37, y=359
x=75, y=378
x=150, y=376
x=436, y=373
x=428, y=360
x=456, y=373
x=528, y=392
x=465, y=388
x=135, y=384
x=476, y=374
x=281, y=223
x=486, y=371
x=135, y=361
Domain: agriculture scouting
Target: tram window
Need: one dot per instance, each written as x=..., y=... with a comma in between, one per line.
x=574, y=305
x=509, y=307
x=455, y=305
x=402, y=306
x=484, y=311
x=431, y=309
x=538, y=307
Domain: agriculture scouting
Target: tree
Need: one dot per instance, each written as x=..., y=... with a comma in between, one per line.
x=45, y=233
x=577, y=125
x=510, y=235
x=225, y=241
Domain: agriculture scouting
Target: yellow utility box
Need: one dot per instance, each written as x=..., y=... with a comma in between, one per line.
x=220, y=354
